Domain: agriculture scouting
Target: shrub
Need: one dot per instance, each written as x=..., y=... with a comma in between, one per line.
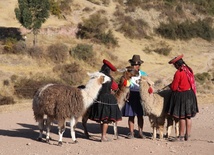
x=161, y=48
x=134, y=29
x=55, y=8
x=95, y=29
x=95, y=1
x=202, y=77
x=58, y=53
x=163, y=51
x=8, y=44
x=107, y=39
x=92, y=26
x=83, y=52
x=36, y=52
x=133, y=4
x=19, y=47
x=65, y=5
x=71, y=74
x=26, y=88
x=5, y=100
x=187, y=30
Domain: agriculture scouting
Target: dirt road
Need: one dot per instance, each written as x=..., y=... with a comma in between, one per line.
x=18, y=133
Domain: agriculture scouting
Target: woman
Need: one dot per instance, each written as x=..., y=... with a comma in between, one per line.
x=133, y=107
x=183, y=103
x=105, y=109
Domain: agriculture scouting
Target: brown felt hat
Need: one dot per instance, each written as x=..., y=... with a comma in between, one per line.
x=174, y=60
x=136, y=60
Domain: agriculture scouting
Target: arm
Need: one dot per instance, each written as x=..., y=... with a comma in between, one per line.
x=175, y=83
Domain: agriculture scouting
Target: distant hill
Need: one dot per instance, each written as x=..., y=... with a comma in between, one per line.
x=198, y=53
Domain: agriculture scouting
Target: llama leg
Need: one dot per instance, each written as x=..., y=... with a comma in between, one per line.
x=61, y=127
x=41, y=128
x=84, y=122
x=72, y=129
x=161, y=131
x=169, y=126
x=154, y=132
x=115, y=130
x=48, y=128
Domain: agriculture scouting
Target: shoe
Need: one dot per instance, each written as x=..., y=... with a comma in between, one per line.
x=105, y=140
x=181, y=138
x=186, y=137
x=176, y=139
x=140, y=135
x=130, y=135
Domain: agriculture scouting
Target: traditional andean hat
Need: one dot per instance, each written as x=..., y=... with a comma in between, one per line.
x=106, y=62
x=174, y=60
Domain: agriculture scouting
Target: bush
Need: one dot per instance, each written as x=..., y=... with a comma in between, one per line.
x=187, y=30
x=71, y=74
x=8, y=44
x=83, y=52
x=202, y=77
x=36, y=52
x=163, y=51
x=107, y=39
x=95, y=29
x=19, y=47
x=161, y=48
x=92, y=26
x=58, y=53
x=55, y=8
x=26, y=88
x=5, y=100
x=134, y=29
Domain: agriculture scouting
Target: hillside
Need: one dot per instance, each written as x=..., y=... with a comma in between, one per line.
x=198, y=53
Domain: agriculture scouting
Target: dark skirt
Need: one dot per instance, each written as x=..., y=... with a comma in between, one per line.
x=133, y=107
x=183, y=104
x=105, y=109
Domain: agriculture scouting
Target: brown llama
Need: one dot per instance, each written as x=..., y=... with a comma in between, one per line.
x=121, y=95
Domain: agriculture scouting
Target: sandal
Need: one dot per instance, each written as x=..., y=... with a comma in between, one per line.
x=180, y=138
x=186, y=137
x=176, y=139
x=105, y=140
x=140, y=135
x=130, y=135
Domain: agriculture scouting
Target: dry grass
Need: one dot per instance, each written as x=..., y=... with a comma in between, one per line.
x=198, y=53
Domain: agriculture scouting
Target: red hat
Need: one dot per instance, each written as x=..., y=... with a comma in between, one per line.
x=174, y=60
x=106, y=62
x=114, y=86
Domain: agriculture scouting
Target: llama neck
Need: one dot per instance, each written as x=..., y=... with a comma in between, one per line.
x=145, y=96
x=90, y=93
x=121, y=96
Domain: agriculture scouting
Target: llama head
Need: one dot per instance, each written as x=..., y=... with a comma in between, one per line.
x=130, y=72
x=101, y=78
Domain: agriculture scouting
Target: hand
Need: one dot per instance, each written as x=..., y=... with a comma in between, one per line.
x=150, y=90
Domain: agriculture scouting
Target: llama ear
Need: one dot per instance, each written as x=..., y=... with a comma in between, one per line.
x=122, y=70
x=151, y=83
x=91, y=75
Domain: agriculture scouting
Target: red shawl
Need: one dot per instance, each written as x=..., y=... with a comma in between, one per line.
x=190, y=77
